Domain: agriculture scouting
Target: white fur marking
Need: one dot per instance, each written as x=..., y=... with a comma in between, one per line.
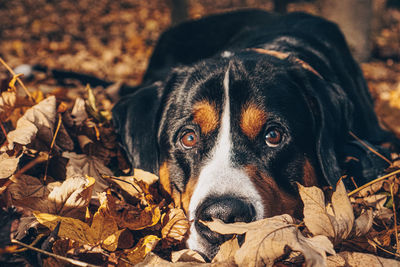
x=219, y=177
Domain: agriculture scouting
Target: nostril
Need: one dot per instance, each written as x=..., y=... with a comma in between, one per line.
x=226, y=208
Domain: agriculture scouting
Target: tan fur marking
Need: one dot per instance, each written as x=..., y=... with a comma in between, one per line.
x=187, y=195
x=206, y=116
x=276, y=201
x=252, y=120
x=164, y=178
x=309, y=177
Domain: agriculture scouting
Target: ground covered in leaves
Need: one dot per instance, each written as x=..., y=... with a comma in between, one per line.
x=66, y=196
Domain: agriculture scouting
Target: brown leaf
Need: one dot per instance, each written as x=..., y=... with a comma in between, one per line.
x=268, y=239
x=227, y=251
x=142, y=248
x=37, y=121
x=335, y=220
x=81, y=165
x=186, y=255
x=356, y=259
x=134, y=218
x=8, y=165
x=69, y=198
x=79, y=112
x=175, y=225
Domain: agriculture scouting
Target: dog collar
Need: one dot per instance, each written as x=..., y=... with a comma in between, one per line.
x=283, y=55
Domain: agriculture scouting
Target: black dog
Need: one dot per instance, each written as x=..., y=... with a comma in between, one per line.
x=235, y=108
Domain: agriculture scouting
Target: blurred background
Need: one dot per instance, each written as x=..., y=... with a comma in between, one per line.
x=113, y=39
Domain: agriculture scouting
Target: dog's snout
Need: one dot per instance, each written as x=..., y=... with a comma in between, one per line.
x=226, y=208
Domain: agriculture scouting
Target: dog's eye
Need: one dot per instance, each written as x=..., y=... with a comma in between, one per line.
x=273, y=137
x=189, y=139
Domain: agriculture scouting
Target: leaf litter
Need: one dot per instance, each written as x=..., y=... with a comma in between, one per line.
x=108, y=217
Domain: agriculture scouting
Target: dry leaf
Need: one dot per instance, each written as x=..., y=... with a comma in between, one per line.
x=227, y=251
x=81, y=165
x=103, y=231
x=69, y=198
x=335, y=220
x=186, y=255
x=37, y=121
x=134, y=218
x=267, y=239
x=79, y=112
x=142, y=248
x=175, y=225
x=8, y=165
x=356, y=259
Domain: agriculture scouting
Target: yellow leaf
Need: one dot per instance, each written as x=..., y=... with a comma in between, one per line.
x=143, y=247
x=110, y=243
x=103, y=225
x=175, y=225
x=70, y=228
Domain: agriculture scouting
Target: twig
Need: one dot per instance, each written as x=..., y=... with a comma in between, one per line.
x=385, y=250
x=51, y=146
x=373, y=182
x=18, y=79
x=370, y=148
x=395, y=220
x=69, y=260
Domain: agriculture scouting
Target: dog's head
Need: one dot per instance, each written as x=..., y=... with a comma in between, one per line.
x=232, y=135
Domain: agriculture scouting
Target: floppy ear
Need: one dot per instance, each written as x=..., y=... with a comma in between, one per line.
x=332, y=117
x=134, y=118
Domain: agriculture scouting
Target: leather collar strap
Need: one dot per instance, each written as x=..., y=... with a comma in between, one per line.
x=283, y=55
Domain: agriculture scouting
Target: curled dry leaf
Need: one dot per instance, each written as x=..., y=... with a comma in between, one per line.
x=227, y=251
x=335, y=220
x=8, y=165
x=8, y=99
x=81, y=165
x=142, y=248
x=70, y=198
x=268, y=239
x=186, y=255
x=79, y=112
x=356, y=259
x=175, y=226
x=103, y=231
x=130, y=184
x=134, y=218
x=37, y=121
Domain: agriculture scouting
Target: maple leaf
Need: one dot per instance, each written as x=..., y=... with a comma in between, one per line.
x=268, y=239
x=335, y=220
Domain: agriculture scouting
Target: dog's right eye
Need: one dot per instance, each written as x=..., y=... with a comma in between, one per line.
x=189, y=139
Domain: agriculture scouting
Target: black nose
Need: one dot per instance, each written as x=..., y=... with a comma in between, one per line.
x=226, y=208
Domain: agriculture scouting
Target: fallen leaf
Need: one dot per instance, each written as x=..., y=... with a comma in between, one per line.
x=175, y=225
x=134, y=218
x=69, y=198
x=142, y=248
x=356, y=259
x=79, y=112
x=227, y=251
x=81, y=165
x=186, y=255
x=8, y=165
x=37, y=121
x=363, y=223
x=334, y=220
x=267, y=239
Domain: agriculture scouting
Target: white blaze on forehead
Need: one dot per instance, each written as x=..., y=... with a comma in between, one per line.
x=218, y=176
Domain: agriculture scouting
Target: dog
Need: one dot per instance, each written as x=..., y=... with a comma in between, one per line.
x=235, y=108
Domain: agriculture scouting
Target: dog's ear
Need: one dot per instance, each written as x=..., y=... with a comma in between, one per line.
x=134, y=118
x=332, y=118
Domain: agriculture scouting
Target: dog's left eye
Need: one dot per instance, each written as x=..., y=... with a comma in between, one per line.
x=189, y=139
x=273, y=137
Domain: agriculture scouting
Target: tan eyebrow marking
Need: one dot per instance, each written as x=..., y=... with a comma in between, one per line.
x=252, y=120
x=206, y=116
